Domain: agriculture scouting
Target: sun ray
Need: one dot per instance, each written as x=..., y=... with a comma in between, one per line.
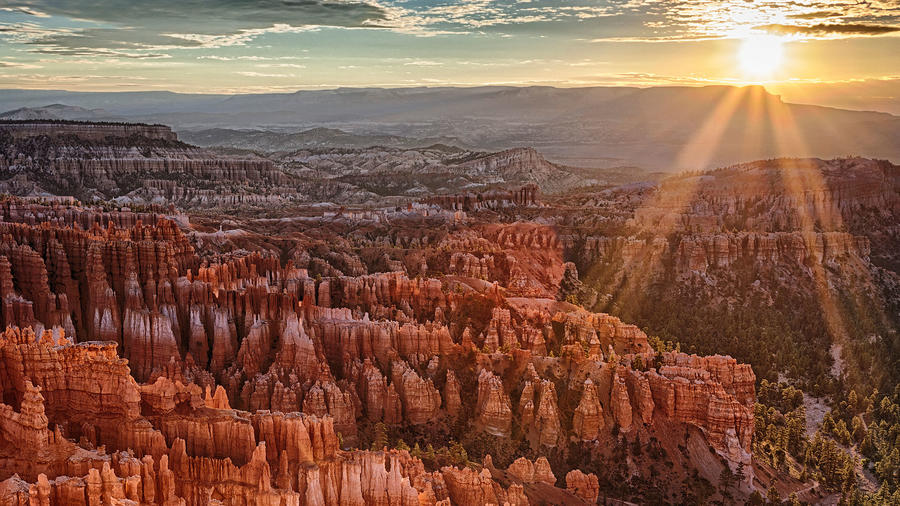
x=697, y=153
x=802, y=184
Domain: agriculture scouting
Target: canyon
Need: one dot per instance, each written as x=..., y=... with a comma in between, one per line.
x=192, y=325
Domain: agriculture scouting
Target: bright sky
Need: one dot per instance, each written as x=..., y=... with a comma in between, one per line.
x=233, y=46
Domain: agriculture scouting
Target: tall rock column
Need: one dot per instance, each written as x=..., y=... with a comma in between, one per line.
x=588, y=417
x=619, y=402
x=493, y=410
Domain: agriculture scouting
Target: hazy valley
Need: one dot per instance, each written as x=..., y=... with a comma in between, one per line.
x=660, y=128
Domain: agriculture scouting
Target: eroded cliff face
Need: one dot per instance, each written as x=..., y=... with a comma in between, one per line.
x=163, y=443
x=241, y=378
x=773, y=195
x=144, y=164
x=801, y=248
x=803, y=211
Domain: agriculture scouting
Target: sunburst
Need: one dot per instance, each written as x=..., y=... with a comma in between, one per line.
x=760, y=55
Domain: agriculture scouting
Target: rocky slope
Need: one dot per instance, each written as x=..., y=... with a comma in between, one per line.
x=436, y=169
x=273, y=141
x=110, y=160
x=817, y=237
x=84, y=130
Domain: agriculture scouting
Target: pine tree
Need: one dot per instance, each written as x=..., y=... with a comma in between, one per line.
x=858, y=428
x=380, y=439
x=853, y=402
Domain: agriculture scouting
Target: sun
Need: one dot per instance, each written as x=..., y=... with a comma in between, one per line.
x=760, y=55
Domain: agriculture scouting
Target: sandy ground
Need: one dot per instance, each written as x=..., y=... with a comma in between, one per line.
x=816, y=408
x=837, y=368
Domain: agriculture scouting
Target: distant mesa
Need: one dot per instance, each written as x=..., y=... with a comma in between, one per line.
x=85, y=130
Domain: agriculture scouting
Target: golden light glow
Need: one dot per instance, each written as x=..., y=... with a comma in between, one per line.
x=760, y=55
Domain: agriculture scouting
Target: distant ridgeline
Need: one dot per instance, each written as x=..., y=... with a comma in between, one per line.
x=85, y=129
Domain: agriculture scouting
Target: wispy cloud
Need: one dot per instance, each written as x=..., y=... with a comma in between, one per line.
x=423, y=63
x=280, y=66
x=826, y=29
x=698, y=20
x=642, y=79
x=18, y=65
x=262, y=74
x=250, y=58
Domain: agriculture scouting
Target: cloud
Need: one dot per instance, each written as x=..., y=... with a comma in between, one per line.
x=131, y=27
x=218, y=17
x=251, y=58
x=114, y=27
x=670, y=20
x=79, y=78
x=642, y=79
x=280, y=66
x=826, y=29
x=262, y=74
x=17, y=65
x=423, y=63
x=816, y=15
x=25, y=10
